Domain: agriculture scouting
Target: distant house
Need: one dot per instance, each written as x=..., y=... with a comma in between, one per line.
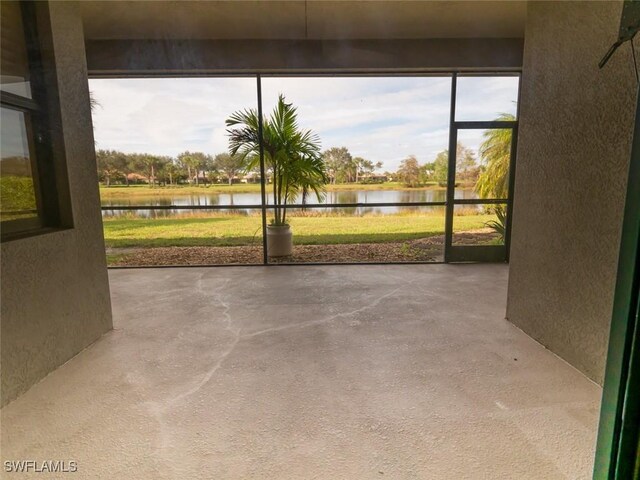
x=201, y=176
x=136, y=178
x=251, y=177
x=374, y=178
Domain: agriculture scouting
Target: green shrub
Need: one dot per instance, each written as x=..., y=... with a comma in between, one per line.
x=500, y=226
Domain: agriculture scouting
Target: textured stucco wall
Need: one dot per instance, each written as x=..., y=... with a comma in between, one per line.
x=573, y=154
x=55, y=291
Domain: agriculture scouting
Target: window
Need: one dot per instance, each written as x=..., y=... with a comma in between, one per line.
x=19, y=202
x=28, y=199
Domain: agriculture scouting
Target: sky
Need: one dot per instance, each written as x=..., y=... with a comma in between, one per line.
x=381, y=119
x=14, y=134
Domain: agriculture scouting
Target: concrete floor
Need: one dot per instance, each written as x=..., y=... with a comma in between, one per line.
x=351, y=372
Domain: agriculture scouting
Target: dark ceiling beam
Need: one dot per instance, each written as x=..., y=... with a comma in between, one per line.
x=202, y=57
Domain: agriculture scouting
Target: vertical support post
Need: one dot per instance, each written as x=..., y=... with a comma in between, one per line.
x=263, y=177
x=512, y=174
x=451, y=173
x=512, y=182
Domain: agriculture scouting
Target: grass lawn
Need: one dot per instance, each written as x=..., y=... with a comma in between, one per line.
x=232, y=229
x=117, y=192
x=17, y=197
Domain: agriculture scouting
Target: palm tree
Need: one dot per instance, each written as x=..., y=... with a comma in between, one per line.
x=93, y=102
x=192, y=161
x=292, y=155
x=493, y=182
x=495, y=153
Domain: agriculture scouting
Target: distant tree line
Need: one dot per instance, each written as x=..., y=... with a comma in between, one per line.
x=413, y=174
x=197, y=167
x=489, y=174
x=342, y=167
x=189, y=167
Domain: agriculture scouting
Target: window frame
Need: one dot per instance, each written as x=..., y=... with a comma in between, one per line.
x=40, y=134
x=17, y=226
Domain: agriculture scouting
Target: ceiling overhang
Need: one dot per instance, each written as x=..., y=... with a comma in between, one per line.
x=299, y=19
x=208, y=37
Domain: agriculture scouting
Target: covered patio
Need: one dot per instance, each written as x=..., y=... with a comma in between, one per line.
x=311, y=372
x=455, y=370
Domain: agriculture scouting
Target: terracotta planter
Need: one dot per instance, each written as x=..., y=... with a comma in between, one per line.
x=279, y=240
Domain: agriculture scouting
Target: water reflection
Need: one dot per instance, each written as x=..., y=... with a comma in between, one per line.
x=231, y=199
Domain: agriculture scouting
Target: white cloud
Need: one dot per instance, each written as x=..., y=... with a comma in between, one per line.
x=167, y=116
x=379, y=118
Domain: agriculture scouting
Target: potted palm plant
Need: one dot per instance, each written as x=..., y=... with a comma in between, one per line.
x=292, y=158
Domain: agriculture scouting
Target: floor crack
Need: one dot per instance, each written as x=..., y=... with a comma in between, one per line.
x=310, y=323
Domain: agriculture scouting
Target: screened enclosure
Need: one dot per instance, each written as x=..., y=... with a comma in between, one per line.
x=415, y=169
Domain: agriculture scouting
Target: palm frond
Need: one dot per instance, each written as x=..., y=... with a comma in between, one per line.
x=495, y=155
x=292, y=155
x=500, y=225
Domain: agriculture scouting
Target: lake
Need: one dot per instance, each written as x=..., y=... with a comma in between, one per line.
x=350, y=196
